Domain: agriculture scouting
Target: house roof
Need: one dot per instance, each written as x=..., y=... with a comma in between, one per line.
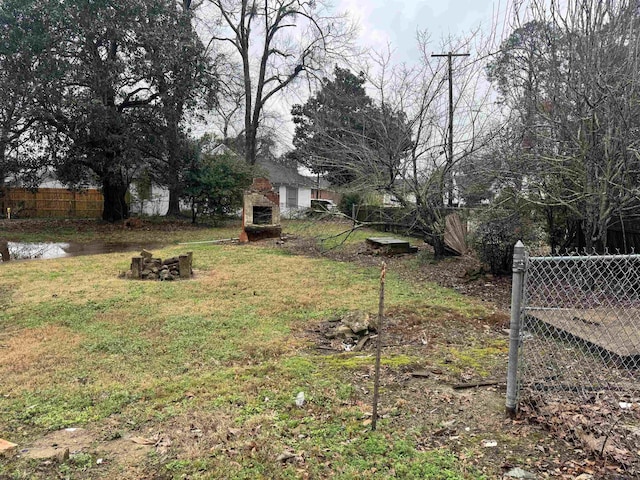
x=283, y=175
x=221, y=149
x=278, y=174
x=323, y=184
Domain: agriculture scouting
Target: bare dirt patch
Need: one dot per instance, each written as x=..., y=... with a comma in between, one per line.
x=122, y=457
x=59, y=445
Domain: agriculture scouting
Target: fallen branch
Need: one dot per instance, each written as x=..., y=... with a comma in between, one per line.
x=330, y=349
x=486, y=383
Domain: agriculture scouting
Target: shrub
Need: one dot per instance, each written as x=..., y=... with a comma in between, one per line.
x=347, y=202
x=215, y=184
x=495, y=237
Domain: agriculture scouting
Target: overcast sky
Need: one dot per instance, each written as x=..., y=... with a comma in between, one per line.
x=397, y=21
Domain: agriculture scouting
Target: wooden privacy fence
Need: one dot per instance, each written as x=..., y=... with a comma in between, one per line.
x=51, y=202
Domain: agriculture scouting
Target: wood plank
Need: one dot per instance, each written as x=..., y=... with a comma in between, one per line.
x=384, y=241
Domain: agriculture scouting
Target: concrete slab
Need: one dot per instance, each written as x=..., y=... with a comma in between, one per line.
x=390, y=245
x=613, y=330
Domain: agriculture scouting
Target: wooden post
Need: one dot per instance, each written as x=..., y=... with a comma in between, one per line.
x=136, y=267
x=190, y=255
x=184, y=266
x=4, y=251
x=517, y=283
x=379, y=328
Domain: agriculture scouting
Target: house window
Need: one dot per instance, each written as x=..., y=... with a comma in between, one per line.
x=292, y=197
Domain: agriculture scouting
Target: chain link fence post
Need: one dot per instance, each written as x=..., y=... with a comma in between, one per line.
x=514, y=327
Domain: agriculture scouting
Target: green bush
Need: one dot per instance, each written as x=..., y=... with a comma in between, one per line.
x=348, y=200
x=215, y=184
x=496, y=236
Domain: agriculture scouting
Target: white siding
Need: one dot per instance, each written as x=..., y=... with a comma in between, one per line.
x=304, y=197
x=157, y=205
x=304, y=201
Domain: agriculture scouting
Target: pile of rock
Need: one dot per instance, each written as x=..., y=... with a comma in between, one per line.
x=146, y=267
x=352, y=328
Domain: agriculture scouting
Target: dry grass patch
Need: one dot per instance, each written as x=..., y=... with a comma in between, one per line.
x=75, y=280
x=35, y=357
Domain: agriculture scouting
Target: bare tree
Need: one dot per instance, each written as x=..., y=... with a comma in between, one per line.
x=229, y=105
x=427, y=174
x=578, y=112
x=403, y=151
x=277, y=41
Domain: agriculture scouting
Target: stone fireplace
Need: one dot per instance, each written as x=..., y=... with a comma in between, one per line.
x=260, y=212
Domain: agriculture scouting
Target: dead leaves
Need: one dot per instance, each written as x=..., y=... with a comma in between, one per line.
x=598, y=429
x=159, y=441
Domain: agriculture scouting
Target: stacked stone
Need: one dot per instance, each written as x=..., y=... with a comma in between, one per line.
x=146, y=267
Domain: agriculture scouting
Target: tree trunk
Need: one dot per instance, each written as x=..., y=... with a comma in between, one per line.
x=4, y=251
x=194, y=212
x=174, y=202
x=115, y=207
x=176, y=153
x=250, y=145
x=437, y=242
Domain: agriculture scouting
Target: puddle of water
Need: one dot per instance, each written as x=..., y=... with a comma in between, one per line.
x=23, y=251
x=33, y=251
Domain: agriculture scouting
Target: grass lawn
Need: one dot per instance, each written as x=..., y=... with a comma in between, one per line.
x=208, y=369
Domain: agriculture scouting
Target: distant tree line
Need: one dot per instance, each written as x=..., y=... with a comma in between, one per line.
x=568, y=79
x=558, y=152
x=101, y=91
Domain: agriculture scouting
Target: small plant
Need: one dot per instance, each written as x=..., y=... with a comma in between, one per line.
x=82, y=460
x=425, y=257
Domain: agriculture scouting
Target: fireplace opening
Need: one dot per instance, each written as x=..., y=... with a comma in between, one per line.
x=262, y=215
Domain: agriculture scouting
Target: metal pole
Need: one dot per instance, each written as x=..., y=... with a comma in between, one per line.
x=514, y=329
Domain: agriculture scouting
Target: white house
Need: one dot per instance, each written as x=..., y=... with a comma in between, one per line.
x=156, y=204
x=294, y=189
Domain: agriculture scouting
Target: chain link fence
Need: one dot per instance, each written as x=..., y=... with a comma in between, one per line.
x=575, y=352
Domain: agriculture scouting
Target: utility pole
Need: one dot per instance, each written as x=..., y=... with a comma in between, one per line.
x=449, y=178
